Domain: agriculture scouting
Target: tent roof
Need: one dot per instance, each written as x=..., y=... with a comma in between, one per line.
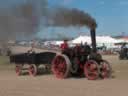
x=99, y=39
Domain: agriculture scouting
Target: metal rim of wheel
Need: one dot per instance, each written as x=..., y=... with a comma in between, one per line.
x=61, y=66
x=18, y=70
x=91, y=70
x=32, y=70
x=105, y=69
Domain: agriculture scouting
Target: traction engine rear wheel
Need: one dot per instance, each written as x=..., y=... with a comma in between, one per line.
x=91, y=70
x=61, y=66
x=105, y=69
x=32, y=70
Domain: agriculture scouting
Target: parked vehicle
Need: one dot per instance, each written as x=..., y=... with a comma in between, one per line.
x=123, y=54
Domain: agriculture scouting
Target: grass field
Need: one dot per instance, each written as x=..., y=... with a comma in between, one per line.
x=4, y=60
x=5, y=64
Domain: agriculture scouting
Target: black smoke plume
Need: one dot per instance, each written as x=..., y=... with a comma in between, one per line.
x=22, y=21
x=71, y=17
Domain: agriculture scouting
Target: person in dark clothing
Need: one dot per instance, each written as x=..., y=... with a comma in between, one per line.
x=8, y=52
x=123, y=46
x=87, y=48
x=104, y=47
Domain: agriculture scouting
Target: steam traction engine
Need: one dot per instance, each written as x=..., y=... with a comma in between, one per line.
x=81, y=61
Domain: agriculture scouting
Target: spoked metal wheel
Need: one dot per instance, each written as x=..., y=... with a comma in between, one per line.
x=32, y=70
x=91, y=70
x=18, y=69
x=105, y=69
x=61, y=66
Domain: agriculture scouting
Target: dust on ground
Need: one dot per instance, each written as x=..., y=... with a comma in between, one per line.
x=48, y=85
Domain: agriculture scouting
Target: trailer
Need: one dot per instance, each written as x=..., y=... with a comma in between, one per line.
x=32, y=60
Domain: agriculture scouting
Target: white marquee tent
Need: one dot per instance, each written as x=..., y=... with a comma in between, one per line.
x=99, y=39
x=122, y=41
x=82, y=39
x=106, y=40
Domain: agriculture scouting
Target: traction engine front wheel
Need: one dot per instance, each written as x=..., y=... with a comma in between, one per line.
x=105, y=69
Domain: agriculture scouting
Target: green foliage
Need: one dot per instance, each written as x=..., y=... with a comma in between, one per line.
x=4, y=60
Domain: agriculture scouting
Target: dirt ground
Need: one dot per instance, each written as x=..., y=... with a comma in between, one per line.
x=48, y=85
